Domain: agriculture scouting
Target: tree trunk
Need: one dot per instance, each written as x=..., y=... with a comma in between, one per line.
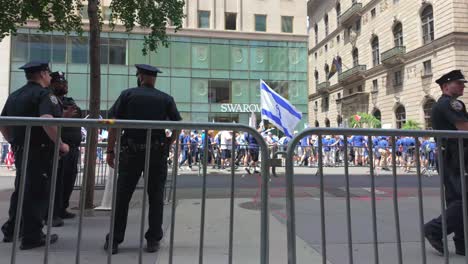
x=95, y=96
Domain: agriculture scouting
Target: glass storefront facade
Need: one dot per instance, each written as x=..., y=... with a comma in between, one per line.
x=209, y=78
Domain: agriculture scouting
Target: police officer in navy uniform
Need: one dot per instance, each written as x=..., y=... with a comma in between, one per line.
x=144, y=102
x=449, y=113
x=68, y=166
x=32, y=100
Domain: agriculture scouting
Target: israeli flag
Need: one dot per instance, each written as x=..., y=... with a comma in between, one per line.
x=278, y=110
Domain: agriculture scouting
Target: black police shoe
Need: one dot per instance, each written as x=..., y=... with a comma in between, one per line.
x=67, y=215
x=435, y=241
x=115, y=247
x=41, y=242
x=152, y=246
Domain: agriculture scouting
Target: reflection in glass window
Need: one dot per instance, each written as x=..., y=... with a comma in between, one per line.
x=203, y=19
x=219, y=91
x=117, y=51
x=79, y=49
x=260, y=23
x=104, y=50
x=287, y=24
x=39, y=47
x=281, y=87
x=20, y=47
x=59, y=49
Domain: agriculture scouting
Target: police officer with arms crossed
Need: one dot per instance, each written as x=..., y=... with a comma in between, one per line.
x=32, y=100
x=449, y=113
x=141, y=103
x=68, y=166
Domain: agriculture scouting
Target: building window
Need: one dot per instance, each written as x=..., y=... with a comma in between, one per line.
x=355, y=57
x=316, y=34
x=20, y=47
x=375, y=51
x=397, y=78
x=339, y=121
x=203, y=19
x=84, y=12
x=79, y=49
x=106, y=13
x=396, y=1
x=373, y=13
x=358, y=26
x=427, y=112
x=427, y=68
x=359, y=89
x=350, y=91
x=219, y=92
x=113, y=51
x=260, y=23
x=39, y=47
x=339, y=95
x=338, y=13
x=338, y=39
x=427, y=19
x=287, y=24
x=316, y=75
x=398, y=34
x=230, y=21
x=325, y=104
x=326, y=25
x=315, y=55
x=317, y=123
x=327, y=71
x=400, y=115
x=326, y=48
x=377, y=114
x=282, y=88
x=327, y=122
x=375, y=85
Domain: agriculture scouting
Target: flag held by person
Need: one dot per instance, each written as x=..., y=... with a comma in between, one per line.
x=278, y=110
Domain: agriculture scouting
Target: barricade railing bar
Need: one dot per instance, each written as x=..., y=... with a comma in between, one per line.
x=391, y=134
x=147, y=126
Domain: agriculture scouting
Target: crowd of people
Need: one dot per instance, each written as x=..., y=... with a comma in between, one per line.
x=220, y=146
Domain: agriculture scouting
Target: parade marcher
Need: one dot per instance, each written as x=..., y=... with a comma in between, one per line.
x=449, y=113
x=32, y=100
x=68, y=165
x=144, y=102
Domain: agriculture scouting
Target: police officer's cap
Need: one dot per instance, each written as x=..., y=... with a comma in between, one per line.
x=455, y=75
x=147, y=69
x=58, y=76
x=35, y=66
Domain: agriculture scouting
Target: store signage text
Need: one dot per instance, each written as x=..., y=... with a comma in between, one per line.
x=240, y=108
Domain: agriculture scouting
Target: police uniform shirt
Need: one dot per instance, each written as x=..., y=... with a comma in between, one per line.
x=144, y=103
x=71, y=135
x=31, y=100
x=447, y=112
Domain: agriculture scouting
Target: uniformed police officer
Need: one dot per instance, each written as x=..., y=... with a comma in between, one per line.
x=67, y=170
x=141, y=103
x=32, y=100
x=449, y=113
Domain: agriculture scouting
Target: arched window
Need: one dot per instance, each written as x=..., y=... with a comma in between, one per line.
x=316, y=75
x=375, y=51
x=326, y=25
x=398, y=34
x=339, y=121
x=316, y=33
x=427, y=108
x=338, y=13
x=400, y=114
x=327, y=122
x=427, y=20
x=355, y=57
x=327, y=71
x=317, y=123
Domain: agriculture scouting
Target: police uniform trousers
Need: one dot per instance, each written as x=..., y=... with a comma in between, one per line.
x=453, y=201
x=66, y=177
x=131, y=167
x=36, y=193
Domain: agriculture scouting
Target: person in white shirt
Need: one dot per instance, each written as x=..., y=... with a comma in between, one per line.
x=226, y=147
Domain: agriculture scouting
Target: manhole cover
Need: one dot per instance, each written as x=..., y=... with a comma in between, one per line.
x=256, y=206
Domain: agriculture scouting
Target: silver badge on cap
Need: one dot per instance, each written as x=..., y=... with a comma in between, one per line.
x=53, y=99
x=456, y=105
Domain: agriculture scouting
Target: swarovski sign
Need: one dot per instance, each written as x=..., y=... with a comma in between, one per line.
x=240, y=108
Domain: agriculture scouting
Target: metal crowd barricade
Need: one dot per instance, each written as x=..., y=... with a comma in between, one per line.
x=148, y=126
x=321, y=132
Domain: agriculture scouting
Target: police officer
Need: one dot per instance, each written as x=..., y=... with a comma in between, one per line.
x=449, y=113
x=68, y=166
x=32, y=100
x=141, y=103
